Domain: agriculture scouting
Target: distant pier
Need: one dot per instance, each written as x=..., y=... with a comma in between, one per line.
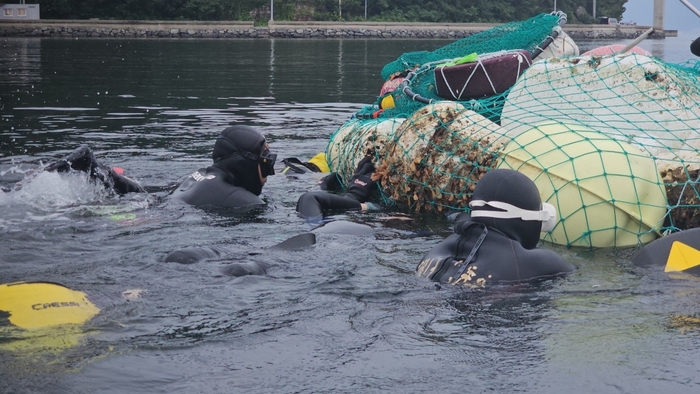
x=282, y=29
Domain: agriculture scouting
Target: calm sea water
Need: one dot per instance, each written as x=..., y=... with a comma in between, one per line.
x=346, y=315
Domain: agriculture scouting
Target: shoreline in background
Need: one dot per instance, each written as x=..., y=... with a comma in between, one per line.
x=285, y=29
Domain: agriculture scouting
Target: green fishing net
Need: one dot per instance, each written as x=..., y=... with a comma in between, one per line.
x=527, y=35
x=611, y=141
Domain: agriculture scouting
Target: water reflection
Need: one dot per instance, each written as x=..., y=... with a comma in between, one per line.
x=272, y=68
x=340, y=74
x=160, y=88
x=20, y=62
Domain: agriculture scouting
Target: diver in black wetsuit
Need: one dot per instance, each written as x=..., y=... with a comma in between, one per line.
x=242, y=163
x=311, y=205
x=82, y=159
x=497, y=242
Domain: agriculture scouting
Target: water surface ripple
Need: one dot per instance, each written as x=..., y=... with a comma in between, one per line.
x=346, y=315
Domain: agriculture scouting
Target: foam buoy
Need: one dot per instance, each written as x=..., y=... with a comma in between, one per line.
x=487, y=75
x=563, y=45
x=355, y=139
x=387, y=102
x=614, y=95
x=391, y=85
x=613, y=49
x=636, y=99
x=607, y=192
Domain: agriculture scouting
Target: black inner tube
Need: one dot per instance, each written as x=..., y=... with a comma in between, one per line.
x=538, y=50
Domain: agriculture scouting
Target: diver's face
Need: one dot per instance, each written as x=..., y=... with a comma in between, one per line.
x=263, y=179
x=266, y=164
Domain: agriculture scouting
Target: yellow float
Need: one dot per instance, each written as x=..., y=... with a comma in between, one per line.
x=607, y=192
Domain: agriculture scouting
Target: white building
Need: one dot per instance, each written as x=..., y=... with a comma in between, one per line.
x=19, y=12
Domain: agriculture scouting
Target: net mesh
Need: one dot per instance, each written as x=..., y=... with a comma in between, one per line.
x=611, y=140
x=417, y=67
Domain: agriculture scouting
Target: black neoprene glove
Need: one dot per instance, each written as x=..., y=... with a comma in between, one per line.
x=361, y=185
x=80, y=159
x=331, y=182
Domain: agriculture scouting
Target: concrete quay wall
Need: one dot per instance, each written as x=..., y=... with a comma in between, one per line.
x=319, y=30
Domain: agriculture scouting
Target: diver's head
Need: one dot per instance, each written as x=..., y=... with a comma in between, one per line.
x=243, y=152
x=510, y=202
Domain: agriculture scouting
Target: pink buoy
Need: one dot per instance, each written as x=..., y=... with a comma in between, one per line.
x=390, y=85
x=615, y=48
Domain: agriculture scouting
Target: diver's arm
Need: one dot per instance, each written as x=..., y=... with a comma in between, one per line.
x=241, y=198
x=82, y=159
x=548, y=263
x=313, y=204
x=459, y=216
x=122, y=184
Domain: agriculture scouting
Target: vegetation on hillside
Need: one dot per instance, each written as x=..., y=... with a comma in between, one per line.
x=465, y=11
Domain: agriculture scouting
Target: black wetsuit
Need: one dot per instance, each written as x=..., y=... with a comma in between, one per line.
x=82, y=159
x=233, y=181
x=311, y=205
x=209, y=187
x=497, y=259
x=486, y=249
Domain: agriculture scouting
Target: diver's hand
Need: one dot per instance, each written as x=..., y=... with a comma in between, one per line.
x=370, y=207
x=363, y=183
x=331, y=182
x=364, y=167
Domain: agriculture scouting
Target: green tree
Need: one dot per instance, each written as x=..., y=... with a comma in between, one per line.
x=456, y=11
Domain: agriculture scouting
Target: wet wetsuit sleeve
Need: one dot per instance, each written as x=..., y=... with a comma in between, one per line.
x=313, y=204
x=82, y=159
x=209, y=190
x=122, y=184
x=459, y=217
x=242, y=198
x=545, y=262
x=463, y=224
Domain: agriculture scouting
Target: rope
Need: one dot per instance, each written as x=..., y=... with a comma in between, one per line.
x=480, y=63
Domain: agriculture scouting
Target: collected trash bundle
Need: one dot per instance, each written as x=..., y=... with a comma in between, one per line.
x=612, y=141
x=643, y=101
x=486, y=62
x=434, y=159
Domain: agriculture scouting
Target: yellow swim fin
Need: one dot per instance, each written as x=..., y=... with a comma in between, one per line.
x=682, y=257
x=36, y=305
x=320, y=161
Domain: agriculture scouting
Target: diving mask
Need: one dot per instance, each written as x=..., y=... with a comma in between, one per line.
x=547, y=215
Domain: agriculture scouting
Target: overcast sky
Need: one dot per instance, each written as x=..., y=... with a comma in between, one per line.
x=676, y=15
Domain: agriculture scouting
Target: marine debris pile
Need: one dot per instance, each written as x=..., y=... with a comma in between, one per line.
x=611, y=139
